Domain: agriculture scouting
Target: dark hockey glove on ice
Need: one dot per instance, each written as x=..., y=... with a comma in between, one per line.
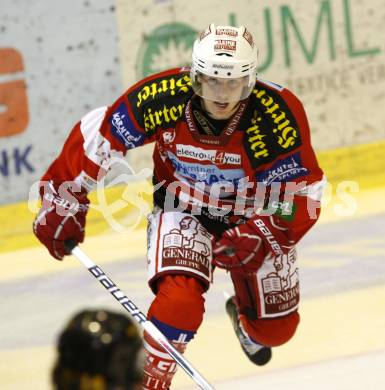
x=244, y=247
x=62, y=216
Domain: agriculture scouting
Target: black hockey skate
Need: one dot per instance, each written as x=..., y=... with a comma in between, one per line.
x=257, y=353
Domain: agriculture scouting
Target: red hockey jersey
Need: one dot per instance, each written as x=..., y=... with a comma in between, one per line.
x=265, y=145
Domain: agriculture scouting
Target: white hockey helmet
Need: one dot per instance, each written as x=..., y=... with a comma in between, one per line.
x=224, y=52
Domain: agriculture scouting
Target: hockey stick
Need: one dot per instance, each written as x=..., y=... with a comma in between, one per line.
x=130, y=306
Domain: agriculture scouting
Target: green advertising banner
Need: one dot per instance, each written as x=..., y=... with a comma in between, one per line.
x=330, y=53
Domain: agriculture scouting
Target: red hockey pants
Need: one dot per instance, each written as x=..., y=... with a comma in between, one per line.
x=180, y=304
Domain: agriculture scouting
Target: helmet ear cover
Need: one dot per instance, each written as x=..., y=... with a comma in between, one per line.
x=224, y=52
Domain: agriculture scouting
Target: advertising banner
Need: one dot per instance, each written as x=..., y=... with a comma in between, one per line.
x=58, y=60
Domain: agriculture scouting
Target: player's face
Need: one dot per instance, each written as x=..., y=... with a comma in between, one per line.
x=221, y=96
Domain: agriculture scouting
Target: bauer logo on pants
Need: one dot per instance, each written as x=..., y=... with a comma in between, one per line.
x=182, y=247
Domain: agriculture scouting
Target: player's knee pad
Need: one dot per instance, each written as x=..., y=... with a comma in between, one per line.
x=271, y=332
x=178, y=244
x=178, y=305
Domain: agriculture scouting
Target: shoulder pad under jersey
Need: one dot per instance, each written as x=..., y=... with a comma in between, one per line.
x=159, y=100
x=275, y=129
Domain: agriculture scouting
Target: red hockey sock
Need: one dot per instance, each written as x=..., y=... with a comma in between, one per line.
x=159, y=367
x=177, y=311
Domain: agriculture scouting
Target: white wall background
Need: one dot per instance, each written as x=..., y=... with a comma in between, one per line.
x=71, y=64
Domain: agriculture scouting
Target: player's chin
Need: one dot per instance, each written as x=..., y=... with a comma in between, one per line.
x=224, y=109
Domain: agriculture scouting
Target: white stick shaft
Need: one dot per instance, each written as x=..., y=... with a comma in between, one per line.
x=148, y=326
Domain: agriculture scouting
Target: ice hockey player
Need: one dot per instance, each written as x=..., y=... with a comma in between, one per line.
x=237, y=186
x=99, y=350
